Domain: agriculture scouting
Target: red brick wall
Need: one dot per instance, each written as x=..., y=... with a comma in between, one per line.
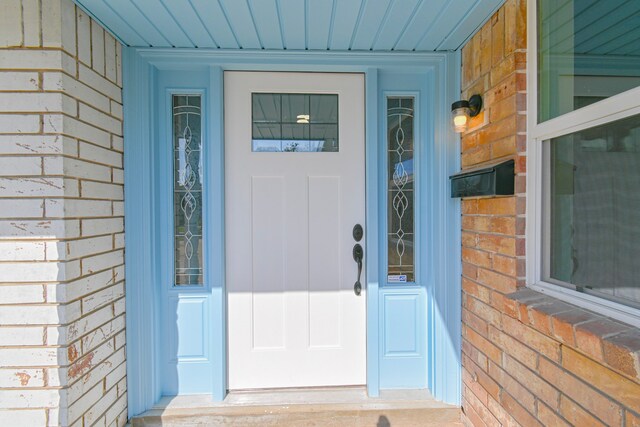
x=527, y=358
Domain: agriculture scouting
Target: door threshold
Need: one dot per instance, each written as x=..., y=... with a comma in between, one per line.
x=330, y=406
x=353, y=397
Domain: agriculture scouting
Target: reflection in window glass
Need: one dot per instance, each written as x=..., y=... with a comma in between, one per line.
x=294, y=122
x=400, y=194
x=187, y=189
x=593, y=214
x=587, y=51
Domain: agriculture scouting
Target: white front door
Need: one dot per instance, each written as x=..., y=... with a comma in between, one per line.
x=294, y=190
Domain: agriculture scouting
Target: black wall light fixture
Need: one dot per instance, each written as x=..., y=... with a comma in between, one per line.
x=462, y=110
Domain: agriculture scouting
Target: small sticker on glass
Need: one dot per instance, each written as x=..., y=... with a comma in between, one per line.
x=397, y=278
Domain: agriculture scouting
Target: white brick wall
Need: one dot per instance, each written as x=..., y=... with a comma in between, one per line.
x=62, y=341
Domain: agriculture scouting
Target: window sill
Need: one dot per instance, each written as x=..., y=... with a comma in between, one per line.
x=604, y=339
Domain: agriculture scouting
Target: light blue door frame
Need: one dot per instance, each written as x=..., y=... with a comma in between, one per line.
x=423, y=317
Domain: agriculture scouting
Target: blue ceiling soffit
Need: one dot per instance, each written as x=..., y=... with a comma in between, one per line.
x=335, y=25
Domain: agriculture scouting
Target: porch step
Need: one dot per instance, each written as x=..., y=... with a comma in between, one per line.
x=315, y=407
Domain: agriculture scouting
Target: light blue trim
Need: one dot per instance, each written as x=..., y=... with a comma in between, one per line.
x=214, y=169
x=442, y=312
x=445, y=296
x=143, y=390
x=373, y=252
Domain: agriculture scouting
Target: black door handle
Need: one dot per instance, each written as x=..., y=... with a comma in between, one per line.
x=358, y=253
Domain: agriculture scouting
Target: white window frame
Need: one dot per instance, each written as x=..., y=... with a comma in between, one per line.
x=617, y=107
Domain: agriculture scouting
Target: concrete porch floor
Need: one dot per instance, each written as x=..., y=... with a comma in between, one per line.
x=344, y=406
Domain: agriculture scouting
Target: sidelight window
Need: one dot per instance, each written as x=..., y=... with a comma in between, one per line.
x=187, y=189
x=400, y=189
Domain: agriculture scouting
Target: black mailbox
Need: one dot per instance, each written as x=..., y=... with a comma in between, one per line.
x=497, y=180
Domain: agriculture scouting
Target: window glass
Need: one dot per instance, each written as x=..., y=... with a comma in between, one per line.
x=284, y=122
x=593, y=211
x=400, y=190
x=187, y=189
x=588, y=50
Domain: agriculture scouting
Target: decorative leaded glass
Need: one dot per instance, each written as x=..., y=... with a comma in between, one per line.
x=187, y=189
x=400, y=190
x=287, y=122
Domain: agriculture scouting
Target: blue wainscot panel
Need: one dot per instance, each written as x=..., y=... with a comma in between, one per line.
x=403, y=361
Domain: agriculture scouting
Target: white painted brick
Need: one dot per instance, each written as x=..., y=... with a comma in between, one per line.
x=62, y=82
x=117, y=143
x=37, y=144
x=93, y=358
x=22, y=398
x=116, y=375
x=77, y=169
x=118, y=241
x=118, y=208
x=105, y=332
x=86, y=285
x=73, y=208
x=97, y=47
x=21, y=336
x=22, y=251
x=118, y=176
x=116, y=109
x=21, y=166
x=98, y=190
x=68, y=15
x=19, y=123
x=122, y=387
x=83, y=23
x=95, y=227
x=21, y=208
x=103, y=297
x=57, y=123
x=100, y=120
x=99, y=372
x=11, y=23
x=99, y=154
x=92, y=415
x=52, y=25
x=99, y=83
x=21, y=294
x=24, y=417
x=118, y=309
x=26, y=272
x=102, y=262
x=72, y=311
x=121, y=337
x=36, y=102
x=89, y=323
x=36, y=187
x=56, y=335
x=10, y=378
x=16, y=81
x=119, y=64
x=39, y=229
x=115, y=411
x=92, y=245
x=57, y=377
x=29, y=356
x=31, y=22
x=31, y=59
x=118, y=273
x=29, y=315
x=110, y=57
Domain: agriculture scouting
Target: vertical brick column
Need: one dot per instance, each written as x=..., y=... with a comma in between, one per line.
x=62, y=342
x=494, y=65
x=528, y=359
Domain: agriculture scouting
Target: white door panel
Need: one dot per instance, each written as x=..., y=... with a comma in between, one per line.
x=293, y=317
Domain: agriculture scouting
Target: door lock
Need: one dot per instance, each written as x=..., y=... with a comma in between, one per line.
x=358, y=254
